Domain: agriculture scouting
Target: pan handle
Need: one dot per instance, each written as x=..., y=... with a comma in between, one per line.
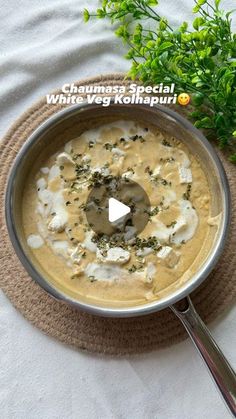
x=222, y=373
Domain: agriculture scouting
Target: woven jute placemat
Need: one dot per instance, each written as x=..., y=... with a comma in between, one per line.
x=82, y=330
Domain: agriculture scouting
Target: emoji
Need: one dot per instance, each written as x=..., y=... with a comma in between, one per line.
x=183, y=99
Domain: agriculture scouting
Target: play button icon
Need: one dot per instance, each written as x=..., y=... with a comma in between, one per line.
x=117, y=205
x=117, y=210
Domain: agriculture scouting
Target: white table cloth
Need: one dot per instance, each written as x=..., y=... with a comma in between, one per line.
x=44, y=44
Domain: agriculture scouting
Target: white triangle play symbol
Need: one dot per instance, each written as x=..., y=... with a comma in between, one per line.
x=116, y=210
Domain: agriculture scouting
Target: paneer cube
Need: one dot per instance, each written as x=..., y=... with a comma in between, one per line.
x=169, y=256
x=185, y=175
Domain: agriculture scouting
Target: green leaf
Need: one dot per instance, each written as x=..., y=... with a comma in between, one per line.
x=208, y=51
x=201, y=2
x=197, y=124
x=163, y=24
x=198, y=21
x=200, y=84
x=183, y=27
x=152, y=2
x=138, y=27
x=232, y=158
x=220, y=121
x=205, y=122
x=122, y=32
x=133, y=72
x=86, y=15
x=223, y=139
x=196, y=80
x=137, y=14
x=196, y=9
x=101, y=13
x=217, y=3
x=163, y=57
x=130, y=54
x=196, y=114
x=198, y=99
x=151, y=44
x=165, y=46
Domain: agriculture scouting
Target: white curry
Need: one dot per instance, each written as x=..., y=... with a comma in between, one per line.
x=174, y=243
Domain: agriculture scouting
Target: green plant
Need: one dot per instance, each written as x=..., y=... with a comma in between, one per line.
x=200, y=60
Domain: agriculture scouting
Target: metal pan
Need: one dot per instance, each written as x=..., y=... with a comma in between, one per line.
x=68, y=124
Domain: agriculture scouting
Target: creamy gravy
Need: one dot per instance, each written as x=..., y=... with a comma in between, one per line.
x=168, y=251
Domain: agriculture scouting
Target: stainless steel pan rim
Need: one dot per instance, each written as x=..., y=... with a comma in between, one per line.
x=186, y=289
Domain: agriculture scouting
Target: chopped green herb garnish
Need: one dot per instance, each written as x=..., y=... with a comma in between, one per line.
x=187, y=194
x=148, y=170
x=165, y=182
x=166, y=143
x=172, y=224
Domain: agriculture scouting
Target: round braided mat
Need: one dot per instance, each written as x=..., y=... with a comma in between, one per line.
x=82, y=330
